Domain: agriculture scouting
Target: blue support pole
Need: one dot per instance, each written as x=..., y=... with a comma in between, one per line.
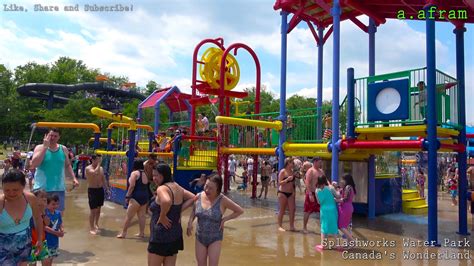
x=176, y=150
x=319, y=97
x=151, y=138
x=139, y=120
x=96, y=141
x=336, y=14
x=350, y=103
x=371, y=188
x=109, y=148
x=139, y=115
x=284, y=29
x=432, y=130
x=372, y=31
x=50, y=100
x=84, y=169
x=157, y=119
x=371, y=167
x=462, y=156
x=109, y=139
x=170, y=117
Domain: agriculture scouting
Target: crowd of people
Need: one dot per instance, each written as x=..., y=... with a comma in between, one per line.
x=448, y=178
x=333, y=201
x=41, y=210
x=31, y=223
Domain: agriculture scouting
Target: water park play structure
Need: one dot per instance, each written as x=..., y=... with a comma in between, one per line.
x=412, y=110
x=379, y=126
x=59, y=93
x=173, y=98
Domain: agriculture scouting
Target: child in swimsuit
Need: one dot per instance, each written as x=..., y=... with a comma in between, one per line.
x=245, y=178
x=453, y=189
x=198, y=183
x=420, y=181
x=54, y=230
x=42, y=204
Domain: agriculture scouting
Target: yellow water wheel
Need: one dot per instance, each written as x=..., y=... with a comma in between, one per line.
x=210, y=70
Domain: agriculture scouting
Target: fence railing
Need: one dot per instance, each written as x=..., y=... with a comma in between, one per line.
x=446, y=98
x=197, y=151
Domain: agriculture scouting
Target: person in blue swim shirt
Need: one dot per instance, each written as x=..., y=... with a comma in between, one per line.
x=55, y=228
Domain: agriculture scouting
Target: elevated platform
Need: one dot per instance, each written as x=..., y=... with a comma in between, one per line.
x=381, y=133
x=205, y=153
x=198, y=159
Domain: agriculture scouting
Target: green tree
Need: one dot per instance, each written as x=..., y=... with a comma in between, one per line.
x=116, y=81
x=22, y=111
x=151, y=86
x=296, y=102
x=70, y=71
x=32, y=73
x=267, y=101
x=76, y=111
x=16, y=113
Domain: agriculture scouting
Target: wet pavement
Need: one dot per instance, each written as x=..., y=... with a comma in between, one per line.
x=253, y=239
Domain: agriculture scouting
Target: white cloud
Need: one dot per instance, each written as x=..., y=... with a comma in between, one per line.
x=184, y=85
x=156, y=42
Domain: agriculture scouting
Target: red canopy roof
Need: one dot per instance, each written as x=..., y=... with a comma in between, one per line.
x=319, y=11
x=150, y=101
x=176, y=101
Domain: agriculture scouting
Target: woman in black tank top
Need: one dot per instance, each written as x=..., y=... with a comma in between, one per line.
x=166, y=234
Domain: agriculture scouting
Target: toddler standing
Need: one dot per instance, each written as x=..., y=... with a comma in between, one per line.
x=54, y=230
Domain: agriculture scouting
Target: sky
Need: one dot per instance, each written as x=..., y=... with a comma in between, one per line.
x=156, y=41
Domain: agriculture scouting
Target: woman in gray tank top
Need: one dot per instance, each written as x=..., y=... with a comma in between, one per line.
x=209, y=209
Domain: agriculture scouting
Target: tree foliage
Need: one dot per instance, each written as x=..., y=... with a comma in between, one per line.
x=77, y=111
x=18, y=113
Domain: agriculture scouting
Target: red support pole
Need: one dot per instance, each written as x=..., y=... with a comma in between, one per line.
x=219, y=42
x=222, y=79
x=328, y=33
x=313, y=31
x=226, y=144
x=384, y=144
x=254, y=176
x=199, y=138
x=454, y=147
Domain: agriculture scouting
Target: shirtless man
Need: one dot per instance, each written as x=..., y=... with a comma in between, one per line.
x=311, y=178
x=96, y=184
x=148, y=166
x=266, y=172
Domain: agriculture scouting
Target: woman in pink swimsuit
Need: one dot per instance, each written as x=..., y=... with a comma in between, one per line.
x=345, y=208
